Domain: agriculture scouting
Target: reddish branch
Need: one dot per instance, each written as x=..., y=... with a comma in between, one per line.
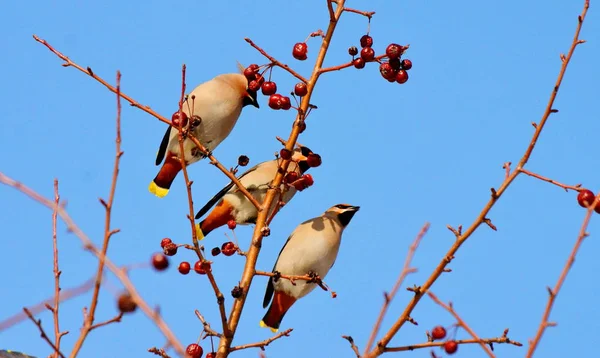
x=43, y=334
x=488, y=341
x=552, y=293
x=388, y=297
x=482, y=217
x=448, y=307
x=108, y=232
x=275, y=62
x=264, y=343
x=147, y=109
x=551, y=181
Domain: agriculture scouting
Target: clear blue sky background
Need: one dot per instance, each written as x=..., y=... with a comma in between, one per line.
x=426, y=151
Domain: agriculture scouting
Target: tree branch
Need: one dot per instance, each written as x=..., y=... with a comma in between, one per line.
x=264, y=343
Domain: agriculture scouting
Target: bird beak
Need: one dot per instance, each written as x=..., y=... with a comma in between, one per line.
x=251, y=99
x=354, y=208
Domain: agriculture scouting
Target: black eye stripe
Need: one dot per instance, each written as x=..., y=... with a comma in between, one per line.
x=342, y=206
x=305, y=151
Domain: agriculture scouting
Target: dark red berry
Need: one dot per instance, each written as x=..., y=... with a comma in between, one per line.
x=366, y=41
x=237, y=292
x=394, y=51
x=450, y=347
x=395, y=63
x=165, y=241
x=300, y=51
x=202, y=267
x=304, y=182
x=184, y=268
x=286, y=103
x=215, y=251
x=352, y=51
x=359, y=63
x=160, y=261
x=406, y=64
x=290, y=177
x=170, y=249
x=401, y=76
x=301, y=126
x=438, y=332
x=254, y=85
x=313, y=160
x=178, y=120
x=285, y=154
x=275, y=101
x=194, y=351
x=251, y=71
x=367, y=54
x=585, y=198
x=269, y=88
x=228, y=248
x=243, y=160
x=211, y=355
x=300, y=89
x=231, y=224
x=387, y=71
x=126, y=304
x=308, y=179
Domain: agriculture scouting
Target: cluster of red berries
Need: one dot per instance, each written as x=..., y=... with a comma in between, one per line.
x=585, y=198
x=195, y=351
x=294, y=179
x=257, y=81
x=228, y=249
x=439, y=333
x=394, y=70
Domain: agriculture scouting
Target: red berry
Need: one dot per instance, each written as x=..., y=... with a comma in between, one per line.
x=290, y=177
x=194, y=351
x=313, y=160
x=285, y=154
x=126, y=304
x=215, y=251
x=211, y=355
x=367, y=54
x=302, y=126
x=366, y=41
x=202, y=267
x=438, y=332
x=300, y=50
x=170, y=249
x=401, y=77
x=160, y=261
x=254, y=85
x=395, y=63
x=251, y=71
x=175, y=118
x=352, y=51
x=243, y=160
x=359, y=63
x=406, y=64
x=285, y=103
x=275, y=101
x=269, y=88
x=585, y=198
x=450, y=347
x=394, y=51
x=304, y=182
x=228, y=248
x=184, y=268
x=300, y=89
x=165, y=241
x=231, y=224
x=308, y=179
x=387, y=71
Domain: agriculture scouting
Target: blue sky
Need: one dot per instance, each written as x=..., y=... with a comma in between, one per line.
x=426, y=151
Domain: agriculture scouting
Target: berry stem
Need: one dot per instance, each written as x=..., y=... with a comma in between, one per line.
x=349, y=64
x=551, y=181
x=487, y=341
x=263, y=344
x=275, y=62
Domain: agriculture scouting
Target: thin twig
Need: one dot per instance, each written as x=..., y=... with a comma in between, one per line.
x=406, y=270
x=55, y=308
x=38, y=323
x=412, y=347
x=147, y=109
x=159, y=352
x=209, y=331
x=462, y=323
x=367, y=14
x=552, y=293
x=349, y=64
x=330, y=9
x=264, y=343
x=551, y=181
x=380, y=346
x=275, y=62
x=89, y=245
x=115, y=319
x=352, y=345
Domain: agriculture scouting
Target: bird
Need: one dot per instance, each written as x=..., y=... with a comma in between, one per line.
x=13, y=354
x=233, y=204
x=214, y=108
x=311, y=249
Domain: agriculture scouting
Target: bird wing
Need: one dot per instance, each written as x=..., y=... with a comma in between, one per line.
x=270, y=285
x=220, y=194
x=162, y=150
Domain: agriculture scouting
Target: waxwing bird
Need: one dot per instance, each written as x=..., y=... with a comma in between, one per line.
x=233, y=204
x=311, y=249
x=213, y=109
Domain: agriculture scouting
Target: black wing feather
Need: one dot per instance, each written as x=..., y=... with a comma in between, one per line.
x=162, y=150
x=270, y=286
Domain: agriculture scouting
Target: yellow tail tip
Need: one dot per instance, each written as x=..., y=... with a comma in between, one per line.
x=264, y=325
x=156, y=190
x=199, y=233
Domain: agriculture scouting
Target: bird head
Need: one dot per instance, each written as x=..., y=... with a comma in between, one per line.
x=300, y=156
x=342, y=212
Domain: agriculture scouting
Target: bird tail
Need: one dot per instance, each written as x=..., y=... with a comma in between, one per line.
x=167, y=173
x=199, y=233
x=220, y=215
x=279, y=307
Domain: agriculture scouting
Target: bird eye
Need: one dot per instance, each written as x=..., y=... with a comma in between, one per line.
x=342, y=206
x=305, y=151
